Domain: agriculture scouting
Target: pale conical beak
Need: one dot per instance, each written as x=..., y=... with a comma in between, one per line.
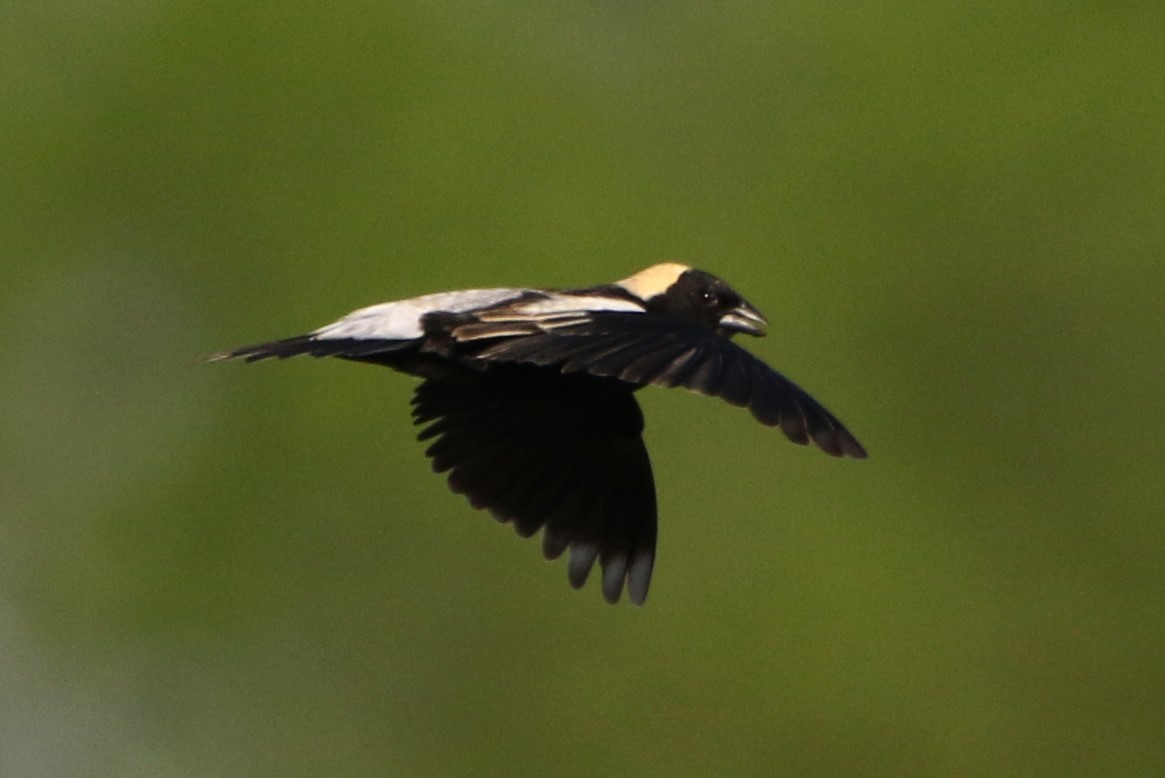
x=744, y=318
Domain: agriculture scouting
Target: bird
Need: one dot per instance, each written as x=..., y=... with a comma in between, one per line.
x=527, y=399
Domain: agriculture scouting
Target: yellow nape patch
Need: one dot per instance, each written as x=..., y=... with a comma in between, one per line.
x=654, y=280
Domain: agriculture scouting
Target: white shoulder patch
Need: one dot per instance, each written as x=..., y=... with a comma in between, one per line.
x=564, y=303
x=654, y=280
x=401, y=320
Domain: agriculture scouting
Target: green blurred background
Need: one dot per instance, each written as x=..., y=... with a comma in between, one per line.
x=953, y=216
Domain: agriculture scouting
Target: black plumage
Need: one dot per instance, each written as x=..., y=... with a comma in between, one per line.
x=528, y=404
x=541, y=450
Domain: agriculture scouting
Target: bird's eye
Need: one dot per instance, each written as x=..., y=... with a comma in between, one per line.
x=709, y=298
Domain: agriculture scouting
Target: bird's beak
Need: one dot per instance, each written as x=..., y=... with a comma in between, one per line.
x=743, y=318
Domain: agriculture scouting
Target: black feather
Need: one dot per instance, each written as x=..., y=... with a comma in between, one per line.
x=348, y=348
x=643, y=349
x=543, y=450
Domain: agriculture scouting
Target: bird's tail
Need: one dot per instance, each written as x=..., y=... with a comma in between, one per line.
x=348, y=348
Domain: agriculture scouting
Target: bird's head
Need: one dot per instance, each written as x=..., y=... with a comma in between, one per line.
x=679, y=292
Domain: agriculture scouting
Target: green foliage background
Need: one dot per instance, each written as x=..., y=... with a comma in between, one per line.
x=953, y=215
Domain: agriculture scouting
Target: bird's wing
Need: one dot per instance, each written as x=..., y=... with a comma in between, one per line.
x=536, y=312
x=642, y=349
x=560, y=453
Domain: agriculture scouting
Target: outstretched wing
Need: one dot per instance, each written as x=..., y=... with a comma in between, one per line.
x=543, y=450
x=643, y=349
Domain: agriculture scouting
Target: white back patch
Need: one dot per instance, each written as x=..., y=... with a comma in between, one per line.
x=401, y=320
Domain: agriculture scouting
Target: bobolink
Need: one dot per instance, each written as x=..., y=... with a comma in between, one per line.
x=528, y=395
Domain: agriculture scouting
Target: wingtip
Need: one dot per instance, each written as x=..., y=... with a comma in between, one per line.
x=839, y=443
x=852, y=449
x=639, y=578
x=614, y=571
x=578, y=567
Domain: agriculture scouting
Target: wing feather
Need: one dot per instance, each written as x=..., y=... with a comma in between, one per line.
x=642, y=349
x=544, y=450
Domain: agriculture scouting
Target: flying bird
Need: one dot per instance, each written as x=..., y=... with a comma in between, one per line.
x=528, y=398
